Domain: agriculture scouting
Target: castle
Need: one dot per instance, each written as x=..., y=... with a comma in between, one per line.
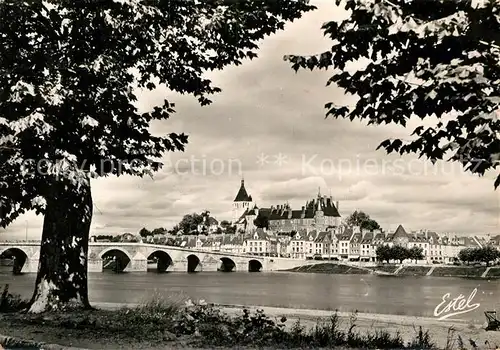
x=320, y=213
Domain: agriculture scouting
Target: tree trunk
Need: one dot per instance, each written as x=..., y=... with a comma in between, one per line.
x=62, y=268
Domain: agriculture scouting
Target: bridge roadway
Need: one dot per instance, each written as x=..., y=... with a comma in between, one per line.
x=133, y=257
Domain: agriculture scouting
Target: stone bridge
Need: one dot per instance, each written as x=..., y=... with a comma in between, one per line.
x=134, y=257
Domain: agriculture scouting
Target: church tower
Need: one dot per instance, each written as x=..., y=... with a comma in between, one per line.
x=241, y=202
x=319, y=215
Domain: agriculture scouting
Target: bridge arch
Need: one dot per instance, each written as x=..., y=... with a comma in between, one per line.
x=193, y=263
x=227, y=264
x=162, y=259
x=254, y=266
x=18, y=255
x=115, y=258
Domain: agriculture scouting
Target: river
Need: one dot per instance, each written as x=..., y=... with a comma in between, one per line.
x=414, y=296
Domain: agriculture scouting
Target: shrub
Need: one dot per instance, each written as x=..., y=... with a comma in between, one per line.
x=422, y=340
x=10, y=302
x=163, y=319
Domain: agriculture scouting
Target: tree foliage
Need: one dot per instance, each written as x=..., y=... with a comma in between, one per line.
x=189, y=223
x=224, y=224
x=144, y=232
x=362, y=220
x=231, y=229
x=485, y=254
x=437, y=58
x=158, y=231
x=70, y=76
x=261, y=221
x=70, y=73
x=383, y=253
x=397, y=252
x=104, y=237
x=416, y=253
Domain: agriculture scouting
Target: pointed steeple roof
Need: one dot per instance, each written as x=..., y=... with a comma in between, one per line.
x=242, y=195
x=400, y=232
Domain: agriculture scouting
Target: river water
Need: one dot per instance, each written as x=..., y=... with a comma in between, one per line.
x=414, y=296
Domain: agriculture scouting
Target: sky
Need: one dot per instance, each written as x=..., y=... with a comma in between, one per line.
x=268, y=126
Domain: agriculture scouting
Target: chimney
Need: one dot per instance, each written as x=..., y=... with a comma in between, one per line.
x=303, y=214
x=337, y=205
x=289, y=212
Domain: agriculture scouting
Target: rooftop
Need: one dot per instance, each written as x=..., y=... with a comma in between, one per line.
x=242, y=195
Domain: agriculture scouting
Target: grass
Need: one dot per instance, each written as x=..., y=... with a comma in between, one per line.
x=10, y=302
x=494, y=272
x=387, y=268
x=414, y=271
x=329, y=268
x=439, y=271
x=462, y=271
x=159, y=321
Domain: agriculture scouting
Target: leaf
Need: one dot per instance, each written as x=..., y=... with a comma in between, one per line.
x=497, y=182
x=457, y=75
x=83, y=62
x=384, y=144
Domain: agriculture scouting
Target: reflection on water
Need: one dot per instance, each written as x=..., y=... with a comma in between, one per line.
x=416, y=296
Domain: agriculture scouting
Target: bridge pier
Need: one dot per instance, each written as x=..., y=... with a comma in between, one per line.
x=30, y=266
x=137, y=265
x=94, y=265
x=211, y=266
x=162, y=265
x=133, y=255
x=181, y=266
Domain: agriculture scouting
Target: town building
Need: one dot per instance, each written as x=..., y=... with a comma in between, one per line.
x=261, y=242
x=209, y=225
x=315, y=232
x=343, y=244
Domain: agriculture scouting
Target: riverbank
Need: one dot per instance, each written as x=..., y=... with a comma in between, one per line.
x=406, y=326
x=402, y=270
x=132, y=326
